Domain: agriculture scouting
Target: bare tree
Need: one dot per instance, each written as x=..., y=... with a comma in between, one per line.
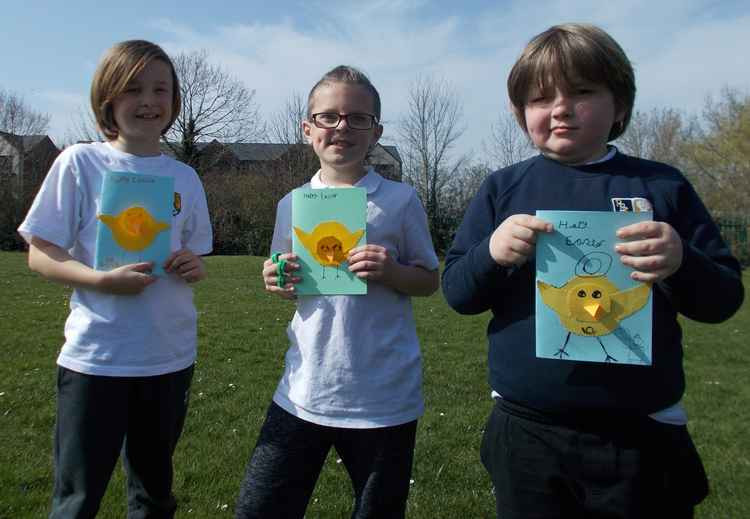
x=215, y=105
x=656, y=135
x=508, y=143
x=18, y=118
x=285, y=126
x=464, y=187
x=428, y=132
x=84, y=127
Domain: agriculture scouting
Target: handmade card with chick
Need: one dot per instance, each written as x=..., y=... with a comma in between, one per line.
x=587, y=306
x=135, y=219
x=326, y=225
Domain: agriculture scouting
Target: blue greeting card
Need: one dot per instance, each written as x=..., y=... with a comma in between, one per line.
x=587, y=307
x=135, y=219
x=326, y=225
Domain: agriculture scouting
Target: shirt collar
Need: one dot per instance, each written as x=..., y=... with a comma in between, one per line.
x=370, y=181
x=611, y=151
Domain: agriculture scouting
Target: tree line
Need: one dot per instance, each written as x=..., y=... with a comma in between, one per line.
x=711, y=148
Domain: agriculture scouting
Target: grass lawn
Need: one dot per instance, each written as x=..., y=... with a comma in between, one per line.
x=241, y=352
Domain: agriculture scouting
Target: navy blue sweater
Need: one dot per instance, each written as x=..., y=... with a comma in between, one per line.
x=707, y=287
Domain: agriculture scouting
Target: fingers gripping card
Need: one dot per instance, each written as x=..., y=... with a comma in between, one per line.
x=587, y=306
x=326, y=225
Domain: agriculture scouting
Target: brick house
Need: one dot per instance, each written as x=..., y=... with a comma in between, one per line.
x=248, y=157
x=25, y=160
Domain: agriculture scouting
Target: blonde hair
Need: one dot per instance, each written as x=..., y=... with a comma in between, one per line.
x=119, y=65
x=564, y=53
x=349, y=75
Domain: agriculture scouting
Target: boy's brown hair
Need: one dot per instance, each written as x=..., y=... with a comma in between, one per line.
x=117, y=68
x=565, y=53
x=349, y=75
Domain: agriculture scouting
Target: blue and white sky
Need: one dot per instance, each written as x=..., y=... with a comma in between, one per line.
x=682, y=50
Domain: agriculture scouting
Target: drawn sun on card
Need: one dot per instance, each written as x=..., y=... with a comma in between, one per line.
x=589, y=304
x=329, y=243
x=134, y=228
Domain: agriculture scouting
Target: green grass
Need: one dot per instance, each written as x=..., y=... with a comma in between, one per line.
x=241, y=351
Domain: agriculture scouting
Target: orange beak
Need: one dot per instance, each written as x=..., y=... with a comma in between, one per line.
x=594, y=310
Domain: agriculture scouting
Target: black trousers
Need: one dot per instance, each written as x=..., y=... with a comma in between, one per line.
x=100, y=417
x=590, y=467
x=289, y=455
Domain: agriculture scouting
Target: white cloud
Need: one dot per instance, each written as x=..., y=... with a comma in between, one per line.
x=64, y=108
x=681, y=50
x=697, y=61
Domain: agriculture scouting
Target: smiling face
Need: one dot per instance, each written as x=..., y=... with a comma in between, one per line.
x=144, y=109
x=571, y=124
x=342, y=150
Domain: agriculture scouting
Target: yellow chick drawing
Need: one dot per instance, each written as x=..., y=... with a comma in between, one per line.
x=134, y=228
x=592, y=306
x=329, y=243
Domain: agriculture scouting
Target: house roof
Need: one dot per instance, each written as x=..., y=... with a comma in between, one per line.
x=29, y=141
x=381, y=152
x=24, y=142
x=262, y=151
x=393, y=151
x=257, y=151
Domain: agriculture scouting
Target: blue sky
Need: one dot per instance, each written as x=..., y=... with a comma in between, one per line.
x=682, y=50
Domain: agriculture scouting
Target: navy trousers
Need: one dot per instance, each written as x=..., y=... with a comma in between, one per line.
x=289, y=456
x=629, y=467
x=99, y=418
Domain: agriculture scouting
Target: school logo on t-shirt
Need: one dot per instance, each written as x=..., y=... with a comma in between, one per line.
x=631, y=205
x=177, y=205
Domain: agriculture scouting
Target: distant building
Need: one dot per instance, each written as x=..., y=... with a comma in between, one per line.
x=218, y=157
x=25, y=160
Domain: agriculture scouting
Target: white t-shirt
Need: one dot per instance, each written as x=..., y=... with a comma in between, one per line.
x=354, y=361
x=151, y=333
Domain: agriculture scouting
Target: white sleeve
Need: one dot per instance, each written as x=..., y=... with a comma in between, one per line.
x=416, y=243
x=282, y=230
x=55, y=214
x=197, y=234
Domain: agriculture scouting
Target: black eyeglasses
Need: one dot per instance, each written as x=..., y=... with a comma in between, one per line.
x=331, y=120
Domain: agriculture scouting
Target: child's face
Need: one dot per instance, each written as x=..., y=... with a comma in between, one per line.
x=144, y=109
x=342, y=149
x=571, y=125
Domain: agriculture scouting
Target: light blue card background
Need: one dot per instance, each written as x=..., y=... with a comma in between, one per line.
x=120, y=191
x=556, y=259
x=348, y=206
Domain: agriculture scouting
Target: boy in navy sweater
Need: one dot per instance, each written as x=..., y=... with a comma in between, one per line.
x=575, y=439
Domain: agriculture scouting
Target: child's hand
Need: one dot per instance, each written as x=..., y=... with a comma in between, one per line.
x=271, y=278
x=654, y=250
x=185, y=264
x=128, y=279
x=371, y=262
x=514, y=240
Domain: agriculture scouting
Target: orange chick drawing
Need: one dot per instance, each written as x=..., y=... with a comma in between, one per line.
x=134, y=228
x=329, y=243
x=592, y=306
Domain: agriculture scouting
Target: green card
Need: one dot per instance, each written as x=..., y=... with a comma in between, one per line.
x=326, y=225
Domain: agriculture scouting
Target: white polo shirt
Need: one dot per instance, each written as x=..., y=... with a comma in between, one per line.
x=354, y=361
